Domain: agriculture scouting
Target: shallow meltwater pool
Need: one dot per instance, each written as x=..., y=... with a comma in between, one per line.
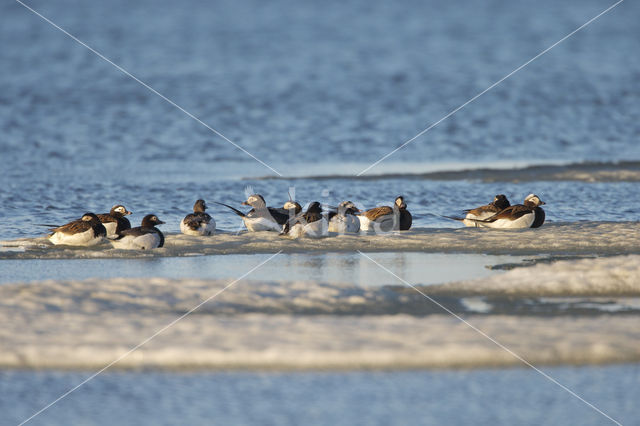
x=414, y=267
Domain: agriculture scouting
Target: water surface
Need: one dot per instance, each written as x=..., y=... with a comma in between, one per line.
x=500, y=397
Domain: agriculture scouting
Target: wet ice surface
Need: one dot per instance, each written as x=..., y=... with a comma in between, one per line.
x=309, y=325
x=553, y=238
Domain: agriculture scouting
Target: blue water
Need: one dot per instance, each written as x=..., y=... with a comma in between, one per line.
x=497, y=397
x=417, y=268
x=301, y=85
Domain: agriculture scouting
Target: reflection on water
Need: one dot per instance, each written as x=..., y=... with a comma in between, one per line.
x=416, y=268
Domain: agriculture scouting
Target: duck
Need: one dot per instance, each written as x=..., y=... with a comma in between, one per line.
x=292, y=207
x=499, y=203
x=344, y=219
x=115, y=221
x=144, y=237
x=198, y=222
x=86, y=231
x=529, y=214
x=311, y=223
x=261, y=217
x=387, y=218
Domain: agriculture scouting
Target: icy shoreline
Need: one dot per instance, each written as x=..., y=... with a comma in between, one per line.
x=547, y=319
x=620, y=171
x=603, y=238
x=260, y=341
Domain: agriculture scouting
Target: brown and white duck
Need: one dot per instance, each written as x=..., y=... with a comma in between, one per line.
x=385, y=218
x=115, y=221
x=529, y=214
x=144, y=237
x=86, y=231
x=199, y=222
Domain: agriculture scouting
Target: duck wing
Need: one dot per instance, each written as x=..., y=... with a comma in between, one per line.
x=378, y=212
x=106, y=218
x=74, y=227
x=195, y=220
x=511, y=213
x=482, y=210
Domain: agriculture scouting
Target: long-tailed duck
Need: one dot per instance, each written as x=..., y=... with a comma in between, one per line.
x=261, y=217
x=115, y=221
x=499, y=203
x=387, y=218
x=344, y=219
x=86, y=231
x=526, y=215
x=143, y=237
x=198, y=222
x=312, y=223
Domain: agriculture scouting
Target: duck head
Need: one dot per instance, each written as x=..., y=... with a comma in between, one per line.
x=500, y=201
x=199, y=207
x=150, y=221
x=292, y=205
x=400, y=203
x=533, y=200
x=314, y=207
x=91, y=218
x=255, y=200
x=119, y=211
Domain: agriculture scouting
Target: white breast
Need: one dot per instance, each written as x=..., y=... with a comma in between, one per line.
x=86, y=238
x=383, y=223
x=111, y=229
x=317, y=229
x=365, y=223
x=204, y=229
x=343, y=224
x=481, y=216
x=522, y=222
x=257, y=224
x=141, y=242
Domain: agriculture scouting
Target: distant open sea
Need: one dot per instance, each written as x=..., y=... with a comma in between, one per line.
x=310, y=88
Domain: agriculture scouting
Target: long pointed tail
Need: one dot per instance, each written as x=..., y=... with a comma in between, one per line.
x=460, y=219
x=236, y=211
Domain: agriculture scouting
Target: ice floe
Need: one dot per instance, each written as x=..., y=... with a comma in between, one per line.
x=622, y=171
x=294, y=325
x=607, y=276
x=551, y=238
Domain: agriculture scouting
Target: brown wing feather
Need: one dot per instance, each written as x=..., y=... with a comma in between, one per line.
x=479, y=211
x=74, y=227
x=106, y=218
x=513, y=213
x=378, y=212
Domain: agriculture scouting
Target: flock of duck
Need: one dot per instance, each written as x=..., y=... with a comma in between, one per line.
x=290, y=220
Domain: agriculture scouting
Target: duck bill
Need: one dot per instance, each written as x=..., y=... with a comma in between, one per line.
x=244, y=203
x=127, y=213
